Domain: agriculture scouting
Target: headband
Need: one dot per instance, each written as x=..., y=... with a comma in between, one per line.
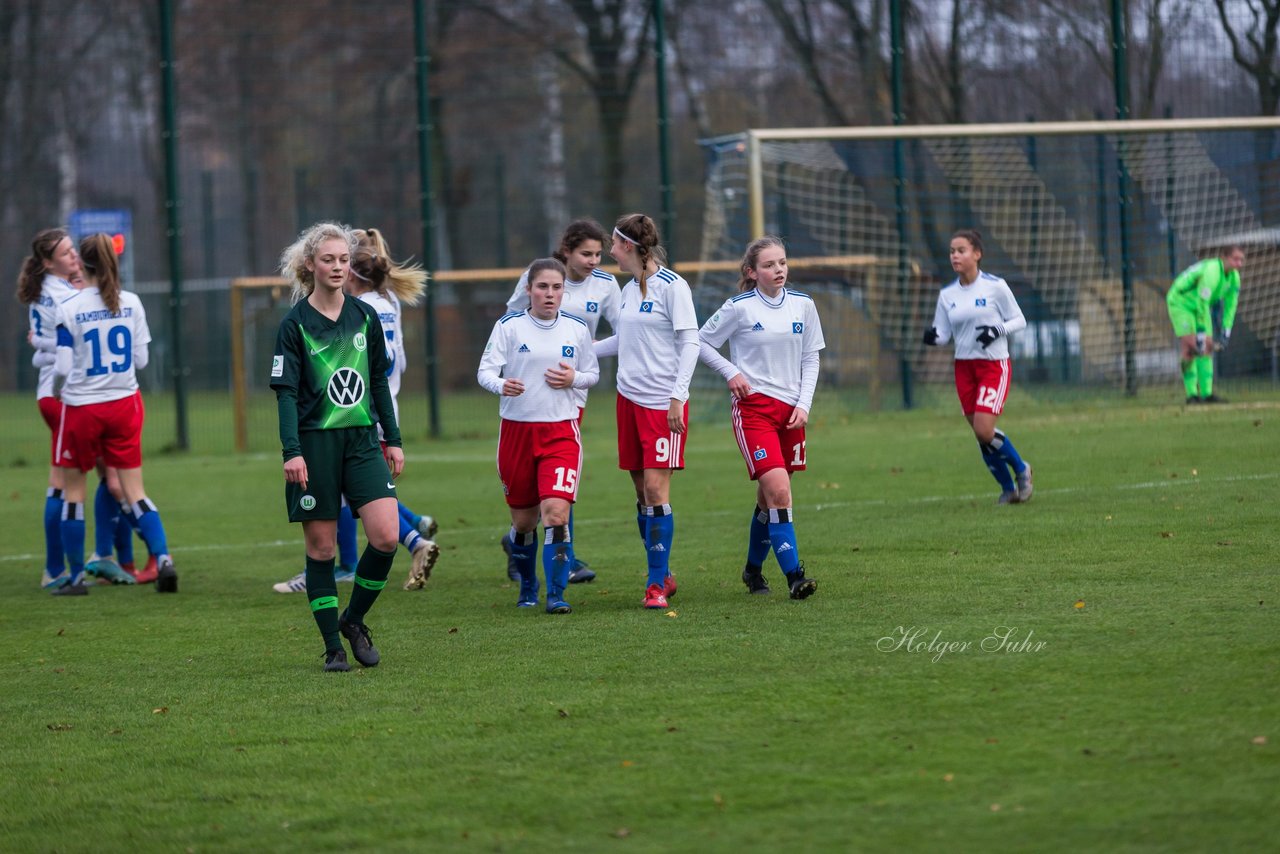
x=356, y=273
x=624, y=237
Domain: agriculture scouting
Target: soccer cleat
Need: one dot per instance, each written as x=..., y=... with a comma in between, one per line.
x=166, y=576
x=754, y=579
x=79, y=588
x=297, y=584
x=801, y=587
x=513, y=571
x=427, y=527
x=653, y=596
x=357, y=634
x=581, y=573
x=106, y=569
x=1010, y=497
x=1213, y=398
x=424, y=557
x=556, y=605
x=1025, y=486
x=528, y=595
x=48, y=582
x=1193, y=400
x=148, y=573
x=335, y=661
x=669, y=586
x=345, y=575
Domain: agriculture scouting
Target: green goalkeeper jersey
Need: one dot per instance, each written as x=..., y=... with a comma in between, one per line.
x=331, y=374
x=1203, y=285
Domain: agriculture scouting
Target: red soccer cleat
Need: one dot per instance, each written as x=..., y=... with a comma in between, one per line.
x=654, y=597
x=148, y=573
x=669, y=586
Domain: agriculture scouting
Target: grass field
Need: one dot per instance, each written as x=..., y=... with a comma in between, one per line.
x=1133, y=706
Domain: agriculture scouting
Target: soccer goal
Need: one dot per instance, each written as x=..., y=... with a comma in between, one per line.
x=1088, y=221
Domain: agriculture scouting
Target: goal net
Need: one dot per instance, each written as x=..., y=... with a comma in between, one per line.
x=1088, y=222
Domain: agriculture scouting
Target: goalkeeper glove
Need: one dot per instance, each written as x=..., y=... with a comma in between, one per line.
x=988, y=334
x=931, y=336
x=1200, y=340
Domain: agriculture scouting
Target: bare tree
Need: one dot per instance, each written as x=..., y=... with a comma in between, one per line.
x=1256, y=48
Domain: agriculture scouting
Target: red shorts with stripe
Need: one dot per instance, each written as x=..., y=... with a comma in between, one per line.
x=51, y=412
x=983, y=384
x=645, y=440
x=538, y=460
x=111, y=430
x=760, y=426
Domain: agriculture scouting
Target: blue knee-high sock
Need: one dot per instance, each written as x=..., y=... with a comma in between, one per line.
x=53, y=561
x=662, y=529
x=151, y=528
x=557, y=558
x=130, y=520
x=409, y=536
x=571, y=528
x=782, y=535
x=348, y=554
x=759, y=543
x=73, y=538
x=524, y=550
x=106, y=512
x=124, y=537
x=997, y=466
x=408, y=515
x=1008, y=452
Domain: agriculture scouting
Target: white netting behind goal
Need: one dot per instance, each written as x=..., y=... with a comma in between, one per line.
x=1048, y=206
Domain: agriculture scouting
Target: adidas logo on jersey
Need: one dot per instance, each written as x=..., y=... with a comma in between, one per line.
x=759, y=327
x=657, y=547
x=524, y=348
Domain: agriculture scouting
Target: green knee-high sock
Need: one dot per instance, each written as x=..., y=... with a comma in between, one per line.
x=371, y=577
x=1189, y=377
x=1204, y=370
x=322, y=592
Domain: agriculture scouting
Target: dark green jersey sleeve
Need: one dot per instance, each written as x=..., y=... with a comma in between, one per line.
x=286, y=366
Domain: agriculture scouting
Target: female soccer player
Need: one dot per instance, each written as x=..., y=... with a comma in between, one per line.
x=330, y=375
x=774, y=336
x=102, y=339
x=535, y=360
x=589, y=293
x=978, y=310
x=657, y=349
x=1191, y=299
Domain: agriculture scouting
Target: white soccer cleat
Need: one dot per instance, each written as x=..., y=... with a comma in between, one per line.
x=297, y=584
x=1025, y=486
x=424, y=558
x=427, y=527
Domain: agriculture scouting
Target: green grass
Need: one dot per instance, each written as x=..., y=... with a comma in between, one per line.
x=202, y=721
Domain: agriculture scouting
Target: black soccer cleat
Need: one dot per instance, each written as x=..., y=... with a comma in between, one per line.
x=335, y=661
x=79, y=588
x=357, y=634
x=581, y=573
x=753, y=577
x=1213, y=398
x=166, y=576
x=801, y=587
x=513, y=571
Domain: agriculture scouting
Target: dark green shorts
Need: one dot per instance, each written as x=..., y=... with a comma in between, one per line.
x=340, y=462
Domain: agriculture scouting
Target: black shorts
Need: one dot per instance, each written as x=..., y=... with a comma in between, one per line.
x=340, y=462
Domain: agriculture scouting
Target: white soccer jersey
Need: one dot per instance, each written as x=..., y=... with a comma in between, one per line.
x=647, y=326
x=523, y=347
x=987, y=301
x=767, y=339
x=595, y=297
x=388, y=309
x=104, y=349
x=43, y=322
x=591, y=299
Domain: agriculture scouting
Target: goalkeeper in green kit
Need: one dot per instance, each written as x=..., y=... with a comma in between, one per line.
x=1191, y=299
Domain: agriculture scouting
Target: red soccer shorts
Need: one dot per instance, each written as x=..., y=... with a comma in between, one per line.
x=645, y=440
x=760, y=426
x=51, y=412
x=538, y=460
x=982, y=384
x=111, y=430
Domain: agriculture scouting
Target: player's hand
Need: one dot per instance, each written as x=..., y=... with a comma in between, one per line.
x=395, y=460
x=988, y=334
x=561, y=377
x=1201, y=340
x=931, y=336
x=799, y=418
x=512, y=387
x=675, y=417
x=739, y=387
x=295, y=471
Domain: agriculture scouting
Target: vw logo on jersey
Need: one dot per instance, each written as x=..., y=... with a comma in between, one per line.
x=797, y=328
x=593, y=307
x=980, y=301
x=646, y=307
x=346, y=388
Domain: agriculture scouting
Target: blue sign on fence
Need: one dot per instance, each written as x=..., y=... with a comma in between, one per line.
x=118, y=224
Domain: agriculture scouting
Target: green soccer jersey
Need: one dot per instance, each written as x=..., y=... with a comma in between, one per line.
x=332, y=374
